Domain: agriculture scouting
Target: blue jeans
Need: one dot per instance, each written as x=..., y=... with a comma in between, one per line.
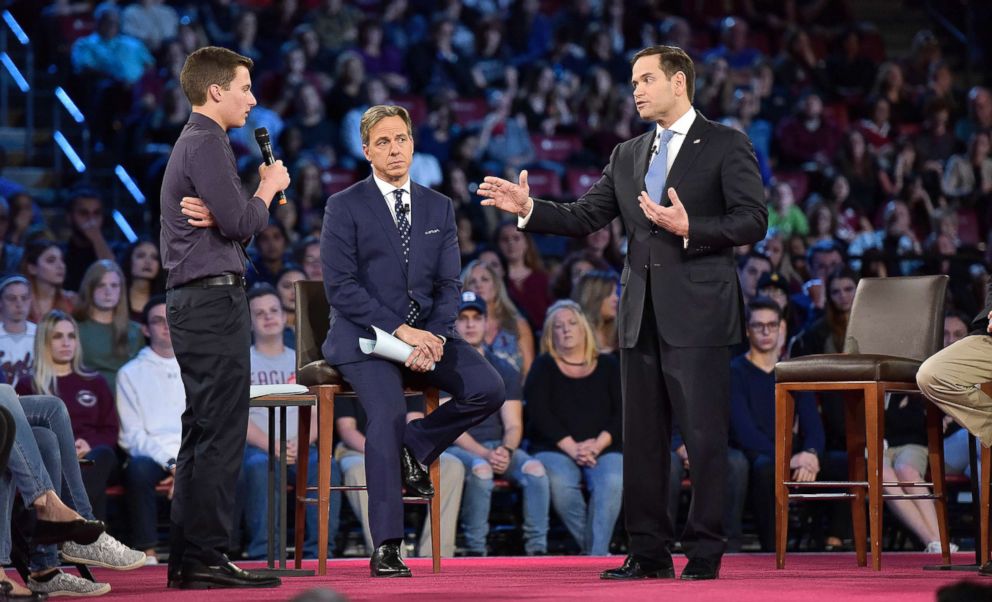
x=254, y=478
x=43, y=461
x=956, y=459
x=141, y=476
x=591, y=527
x=477, y=497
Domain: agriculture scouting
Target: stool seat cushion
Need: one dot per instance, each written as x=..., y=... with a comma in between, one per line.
x=843, y=367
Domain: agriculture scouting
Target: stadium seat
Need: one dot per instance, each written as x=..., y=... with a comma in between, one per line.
x=555, y=148
x=544, y=183
x=579, y=180
x=336, y=179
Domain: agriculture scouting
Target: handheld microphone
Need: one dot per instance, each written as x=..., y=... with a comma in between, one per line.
x=265, y=145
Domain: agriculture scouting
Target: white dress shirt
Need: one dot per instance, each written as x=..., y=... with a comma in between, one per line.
x=387, y=193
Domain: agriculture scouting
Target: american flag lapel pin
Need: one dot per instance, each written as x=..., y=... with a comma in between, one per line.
x=696, y=141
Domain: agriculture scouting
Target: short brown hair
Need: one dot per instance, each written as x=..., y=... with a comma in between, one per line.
x=208, y=66
x=672, y=60
x=379, y=112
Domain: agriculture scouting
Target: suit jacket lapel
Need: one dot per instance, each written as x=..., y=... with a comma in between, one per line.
x=378, y=207
x=695, y=140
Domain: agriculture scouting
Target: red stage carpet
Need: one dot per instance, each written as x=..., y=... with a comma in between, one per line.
x=744, y=578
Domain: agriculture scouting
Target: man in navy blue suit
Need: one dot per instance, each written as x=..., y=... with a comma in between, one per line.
x=390, y=259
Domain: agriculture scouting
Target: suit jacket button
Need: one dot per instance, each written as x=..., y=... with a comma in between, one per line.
x=645, y=267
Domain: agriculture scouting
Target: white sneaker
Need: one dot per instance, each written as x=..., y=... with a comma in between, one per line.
x=934, y=547
x=106, y=552
x=151, y=560
x=64, y=584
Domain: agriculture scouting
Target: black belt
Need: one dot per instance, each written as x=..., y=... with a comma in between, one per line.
x=222, y=280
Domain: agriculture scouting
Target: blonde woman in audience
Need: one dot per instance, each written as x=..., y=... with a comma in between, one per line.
x=44, y=266
x=108, y=337
x=574, y=407
x=508, y=334
x=59, y=372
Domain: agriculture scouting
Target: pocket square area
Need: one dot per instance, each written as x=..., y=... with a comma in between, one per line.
x=434, y=231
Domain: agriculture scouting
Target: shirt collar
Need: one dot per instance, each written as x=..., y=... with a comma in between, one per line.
x=387, y=189
x=681, y=125
x=207, y=123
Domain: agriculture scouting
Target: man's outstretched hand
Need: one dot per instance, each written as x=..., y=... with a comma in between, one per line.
x=507, y=196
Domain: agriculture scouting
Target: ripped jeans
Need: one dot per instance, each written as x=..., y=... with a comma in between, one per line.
x=524, y=471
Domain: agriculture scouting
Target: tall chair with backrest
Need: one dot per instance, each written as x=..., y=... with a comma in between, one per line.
x=895, y=324
x=312, y=321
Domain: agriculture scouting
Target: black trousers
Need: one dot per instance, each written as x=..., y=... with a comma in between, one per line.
x=691, y=385
x=211, y=335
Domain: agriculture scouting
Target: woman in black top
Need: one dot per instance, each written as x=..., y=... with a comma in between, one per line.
x=573, y=404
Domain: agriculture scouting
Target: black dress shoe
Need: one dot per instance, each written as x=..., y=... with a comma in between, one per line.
x=175, y=579
x=81, y=531
x=386, y=562
x=700, y=569
x=416, y=479
x=199, y=575
x=634, y=567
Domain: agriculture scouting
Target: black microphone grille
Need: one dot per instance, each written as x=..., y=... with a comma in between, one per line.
x=262, y=135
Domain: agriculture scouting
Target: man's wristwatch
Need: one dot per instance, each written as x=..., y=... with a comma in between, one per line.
x=170, y=465
x=813, y=451
x=508, y=449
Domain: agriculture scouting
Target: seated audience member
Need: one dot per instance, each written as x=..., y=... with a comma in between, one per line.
x=906, y=459
x=107, y=336
x=750, y=268
x=151, y=399
x=573, y=403
x=598, y=295
x=286, y=287
x=59, y=371
x=508, y=335
x=575, y=265
x=752, y=417
x=44, y=268
x=86, y=242
x=10, y=253
x=16, y=333
x=143, y=275
x=269, y=255
x=350, y=420
x=493, y=448
x=306, y=253
x=526, y=281
x=44, y=439
x=274, y=363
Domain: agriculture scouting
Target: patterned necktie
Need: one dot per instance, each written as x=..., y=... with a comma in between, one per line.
x=403, y=225
x=654, y=181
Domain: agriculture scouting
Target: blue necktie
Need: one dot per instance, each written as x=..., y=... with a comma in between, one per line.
x=403, y=225
x=654, y=181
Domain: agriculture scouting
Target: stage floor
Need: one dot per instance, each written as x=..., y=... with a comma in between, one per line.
x=744, y=578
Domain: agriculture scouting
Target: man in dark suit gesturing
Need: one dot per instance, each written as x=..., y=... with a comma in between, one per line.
x=687, y=192
x=390, y=259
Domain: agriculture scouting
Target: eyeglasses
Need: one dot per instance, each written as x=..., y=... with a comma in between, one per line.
x=763, y=327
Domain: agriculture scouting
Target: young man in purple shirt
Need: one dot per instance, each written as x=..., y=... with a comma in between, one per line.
x=205, y=220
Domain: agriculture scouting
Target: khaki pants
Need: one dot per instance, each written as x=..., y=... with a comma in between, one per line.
x=452, y=481
x=951, y=379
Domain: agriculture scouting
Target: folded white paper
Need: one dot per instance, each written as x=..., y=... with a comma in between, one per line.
x=261, y=390
x=386, y=346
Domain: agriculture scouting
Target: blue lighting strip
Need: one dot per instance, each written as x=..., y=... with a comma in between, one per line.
x=70, y=152
x=125, y=227
x=128, y=183
x=69, y=105
x=14, y=72
x=16, y=28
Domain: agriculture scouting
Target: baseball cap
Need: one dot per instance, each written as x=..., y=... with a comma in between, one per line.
x=773, y=279
x=472, y=301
